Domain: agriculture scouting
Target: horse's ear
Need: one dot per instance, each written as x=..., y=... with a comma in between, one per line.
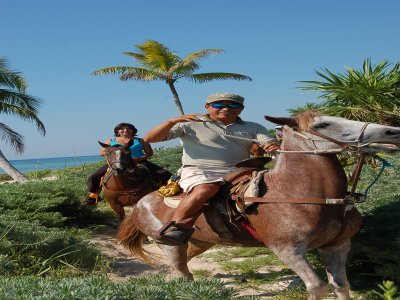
x=103, y=145
x=282, y=121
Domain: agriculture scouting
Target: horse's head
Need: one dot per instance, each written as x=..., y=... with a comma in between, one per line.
x=327, y=132
x=119, y=158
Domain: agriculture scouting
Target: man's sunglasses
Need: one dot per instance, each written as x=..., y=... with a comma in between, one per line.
x=221, y=106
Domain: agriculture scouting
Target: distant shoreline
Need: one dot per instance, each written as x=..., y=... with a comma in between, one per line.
x=52, y=163
x=58, y=157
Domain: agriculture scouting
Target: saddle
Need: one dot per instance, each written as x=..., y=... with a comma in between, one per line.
x=226, y=209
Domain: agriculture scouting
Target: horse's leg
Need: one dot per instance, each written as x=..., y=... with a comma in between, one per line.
x=117, y=207
x=177, y=260
x=295, y=258
x=197, y=247
x=335, y=263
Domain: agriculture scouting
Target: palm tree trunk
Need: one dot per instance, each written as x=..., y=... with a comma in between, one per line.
x=10, y=170
x=176, y=98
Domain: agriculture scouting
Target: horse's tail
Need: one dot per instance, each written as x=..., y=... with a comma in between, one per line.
x=129, y=236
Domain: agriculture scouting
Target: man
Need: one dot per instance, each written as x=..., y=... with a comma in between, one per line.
x=211, y=148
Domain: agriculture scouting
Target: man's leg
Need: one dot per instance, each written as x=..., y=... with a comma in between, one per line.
x=93, y=184
x=180, y=228
x=192, y=205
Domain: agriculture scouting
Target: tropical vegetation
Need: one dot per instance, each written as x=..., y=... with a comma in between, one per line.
x=45, y=249
x=16, y=102
x=371, y=94
x=157, y=62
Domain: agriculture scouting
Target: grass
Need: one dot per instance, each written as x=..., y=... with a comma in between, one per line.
x=99, y=287
x=44, y=232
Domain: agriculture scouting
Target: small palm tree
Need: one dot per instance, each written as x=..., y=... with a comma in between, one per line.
x=14, y=101
x=371, y=94
x=307, y=107
x=160, y=63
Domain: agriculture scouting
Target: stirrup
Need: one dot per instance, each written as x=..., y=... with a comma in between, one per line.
x=92, y=200
x=171, y=235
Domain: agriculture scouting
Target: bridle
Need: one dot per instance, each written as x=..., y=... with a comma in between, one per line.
x=111, y=164
x=132, y=192
x=353, y=146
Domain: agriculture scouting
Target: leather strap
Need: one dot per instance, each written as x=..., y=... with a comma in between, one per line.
x=291, y=200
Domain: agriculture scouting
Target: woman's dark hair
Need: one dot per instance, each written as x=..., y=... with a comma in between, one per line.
x=122, y=125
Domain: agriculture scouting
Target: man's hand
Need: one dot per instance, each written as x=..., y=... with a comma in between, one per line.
x=187, y=118
x=160, y=132
x=270, y=147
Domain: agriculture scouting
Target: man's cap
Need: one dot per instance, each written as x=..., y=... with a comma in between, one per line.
x=224, y=97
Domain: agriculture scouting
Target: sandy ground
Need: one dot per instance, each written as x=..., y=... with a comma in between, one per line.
x=49, y=178
x=125, y=266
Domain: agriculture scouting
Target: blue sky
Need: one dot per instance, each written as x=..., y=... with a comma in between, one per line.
x=57, y=44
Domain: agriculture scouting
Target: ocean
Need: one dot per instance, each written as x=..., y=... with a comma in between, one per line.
x=37, y=164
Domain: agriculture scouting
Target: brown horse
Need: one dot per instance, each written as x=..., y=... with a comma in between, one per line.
x=126, y=181
x=294, y=215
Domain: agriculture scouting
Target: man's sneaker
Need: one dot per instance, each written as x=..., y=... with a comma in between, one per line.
x=174, y=236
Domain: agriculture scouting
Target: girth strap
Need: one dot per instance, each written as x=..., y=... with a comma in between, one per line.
x=291, y=200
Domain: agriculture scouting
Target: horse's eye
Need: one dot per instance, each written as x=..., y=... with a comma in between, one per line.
x=321, y=125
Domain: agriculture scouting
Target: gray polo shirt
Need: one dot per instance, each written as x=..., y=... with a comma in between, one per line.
x=207, y=144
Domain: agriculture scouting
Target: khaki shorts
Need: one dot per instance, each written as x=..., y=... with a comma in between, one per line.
x=193, y=175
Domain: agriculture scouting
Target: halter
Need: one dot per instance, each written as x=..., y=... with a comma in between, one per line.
x=351, y=197
x=132, y=192
x=110, y=164
x=345, y=146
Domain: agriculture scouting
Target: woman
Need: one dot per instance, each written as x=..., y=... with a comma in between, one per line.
x=140, y=150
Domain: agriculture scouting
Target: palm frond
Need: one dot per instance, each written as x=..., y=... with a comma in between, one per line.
x=371, y=94
x=11, y=79
x=195, y=56
x=20, y=106
x=157, y=56
x=11, y=137
x=140, y=74
x=138, y=56
x=19, y=99
x=188, y=65
x=117, y=70
x=309, y=106
x=205, y=77
x=182, y=69
x=14, y=101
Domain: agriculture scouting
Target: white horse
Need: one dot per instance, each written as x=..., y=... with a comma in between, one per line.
x=294, y=213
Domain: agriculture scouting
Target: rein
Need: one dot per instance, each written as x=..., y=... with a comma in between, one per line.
x=132, y=192
x=351, y=197
x=344, y=146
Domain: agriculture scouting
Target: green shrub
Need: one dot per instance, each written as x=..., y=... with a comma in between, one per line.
x=169, y=158
x=39, y=224
x=98, y=287
x=375, y=249
x=388, y=291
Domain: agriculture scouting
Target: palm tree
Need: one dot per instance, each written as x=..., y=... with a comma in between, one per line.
x=371, y=94
x=307, y=107
x=160, y=63
x=14, y=101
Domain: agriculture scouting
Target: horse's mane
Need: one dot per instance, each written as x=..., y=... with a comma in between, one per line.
x=306, y=119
